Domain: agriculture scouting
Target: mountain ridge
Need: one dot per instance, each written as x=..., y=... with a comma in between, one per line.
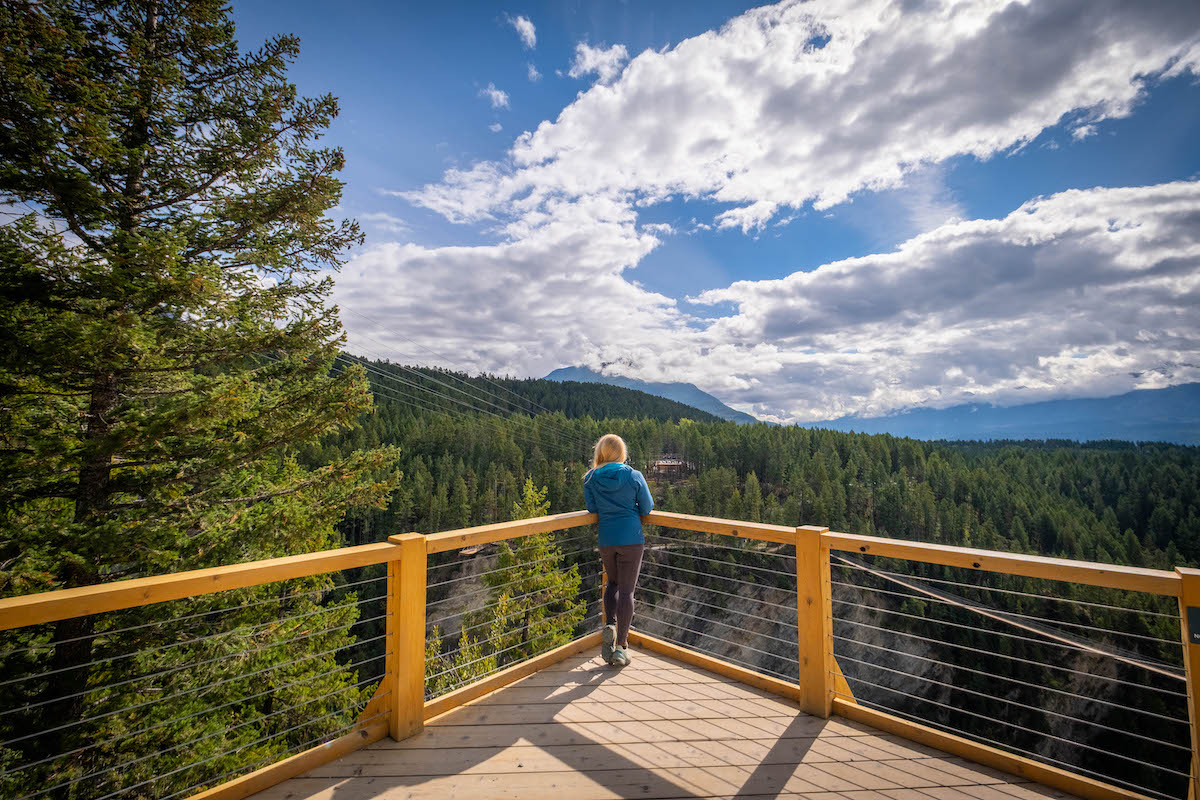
x=685, y=393
x=1171, y=414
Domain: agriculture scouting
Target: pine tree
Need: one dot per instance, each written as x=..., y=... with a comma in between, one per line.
x=535, y=596
x=165, y=350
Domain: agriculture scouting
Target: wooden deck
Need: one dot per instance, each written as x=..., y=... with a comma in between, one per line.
x=581, y=730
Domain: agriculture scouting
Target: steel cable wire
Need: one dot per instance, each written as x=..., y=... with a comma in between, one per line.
x=656, y=606
x=1018, y=637
x=474, y=388
x=1015, y=726
x=719, y=577
x=1015, y=681
x=561, y=436
x=995, y=654
x=173, y=670
x=498, y=667
x=751, y=550
x=791, y=609
x=790, y=575
x=243, y=631
x=232, y=751
x=940, y=601
x=1049, y=759
x=199, y=615
x=174, y=720
x=791, y=625
x=533, y=439
x=357, y=725
x=1025, y=706
x=507, y=634
x=223, y=731
x=206, y=687
x=509, y=568
x=532, y=403
x=501, y=586
x=851, y=565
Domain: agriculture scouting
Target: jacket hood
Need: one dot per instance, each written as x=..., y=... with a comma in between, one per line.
x=609, y=477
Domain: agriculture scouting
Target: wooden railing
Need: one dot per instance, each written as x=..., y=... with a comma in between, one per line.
x=400, y=707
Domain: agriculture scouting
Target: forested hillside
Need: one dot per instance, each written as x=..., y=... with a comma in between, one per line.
x=429, y=387
x=1105, y=501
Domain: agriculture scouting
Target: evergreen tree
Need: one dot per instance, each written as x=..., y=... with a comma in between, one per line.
x=535, y=595
x=165, y=349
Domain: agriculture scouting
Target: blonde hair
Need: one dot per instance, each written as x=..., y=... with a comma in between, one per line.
x=609, y=448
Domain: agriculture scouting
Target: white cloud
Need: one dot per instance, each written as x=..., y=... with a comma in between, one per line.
x=525, y=30
x=1087, y=292
x=495, y=127
x=387, y=222
x=1082, y=132
x=663, y=228
x=605, y=62
x=808, y=103
x=1084, y=292
x=497, y=97
x=534, y=75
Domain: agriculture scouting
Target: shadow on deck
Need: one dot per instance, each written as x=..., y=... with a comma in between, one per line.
x=582, y=730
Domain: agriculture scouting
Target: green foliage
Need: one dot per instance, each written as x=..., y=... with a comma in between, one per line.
x=165, y=348
x=534, y=606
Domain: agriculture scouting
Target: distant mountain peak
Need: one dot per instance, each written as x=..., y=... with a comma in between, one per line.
x=685, y=393
x=1171, y=415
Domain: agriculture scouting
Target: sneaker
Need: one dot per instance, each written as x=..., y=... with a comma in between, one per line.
x=620, y=657
x=608, y=638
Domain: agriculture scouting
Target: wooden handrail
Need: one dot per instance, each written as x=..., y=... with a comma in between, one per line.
x=1113, y=576
x=485, y=534
x=780, y=534
x=36, y=609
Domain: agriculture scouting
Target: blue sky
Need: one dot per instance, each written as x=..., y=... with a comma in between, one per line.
x=851, y=201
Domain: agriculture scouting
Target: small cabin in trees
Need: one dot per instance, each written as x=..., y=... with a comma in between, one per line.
x=670, y=466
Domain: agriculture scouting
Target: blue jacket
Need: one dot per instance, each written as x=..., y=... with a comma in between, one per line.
x=619, y=494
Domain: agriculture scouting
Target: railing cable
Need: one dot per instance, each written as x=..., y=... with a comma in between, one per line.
x=1015, y=726
x=995, y=654
x=847, y=564
x=1016, y=681
x=1165, y=669
x=1012, y=748
x=199, y=615
x=1015, y=703
x=933, y=598
x=186, y=692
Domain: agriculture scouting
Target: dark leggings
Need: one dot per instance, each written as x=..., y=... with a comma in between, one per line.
x=621, y=564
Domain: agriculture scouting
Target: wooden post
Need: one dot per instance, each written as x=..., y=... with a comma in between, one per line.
x=814, y=628
x=1189, y=595
x=406, y=636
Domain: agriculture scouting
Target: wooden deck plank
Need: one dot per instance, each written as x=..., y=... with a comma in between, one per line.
x=658, y=729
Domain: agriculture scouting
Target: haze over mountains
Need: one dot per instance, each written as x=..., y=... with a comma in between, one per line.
x=1148, y=415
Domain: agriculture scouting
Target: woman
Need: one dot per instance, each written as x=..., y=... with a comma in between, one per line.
x=619, y=494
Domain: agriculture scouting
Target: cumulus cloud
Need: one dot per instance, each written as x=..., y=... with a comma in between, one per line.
x=1084, y=292
x=497, y=97
x=534, y=75
x=802, y=105
x=385, y=221
x=1088, y=292
x=525, y=30
x=495, y=127
x=1083, y=132
x=807, y=103
x=605, y=62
